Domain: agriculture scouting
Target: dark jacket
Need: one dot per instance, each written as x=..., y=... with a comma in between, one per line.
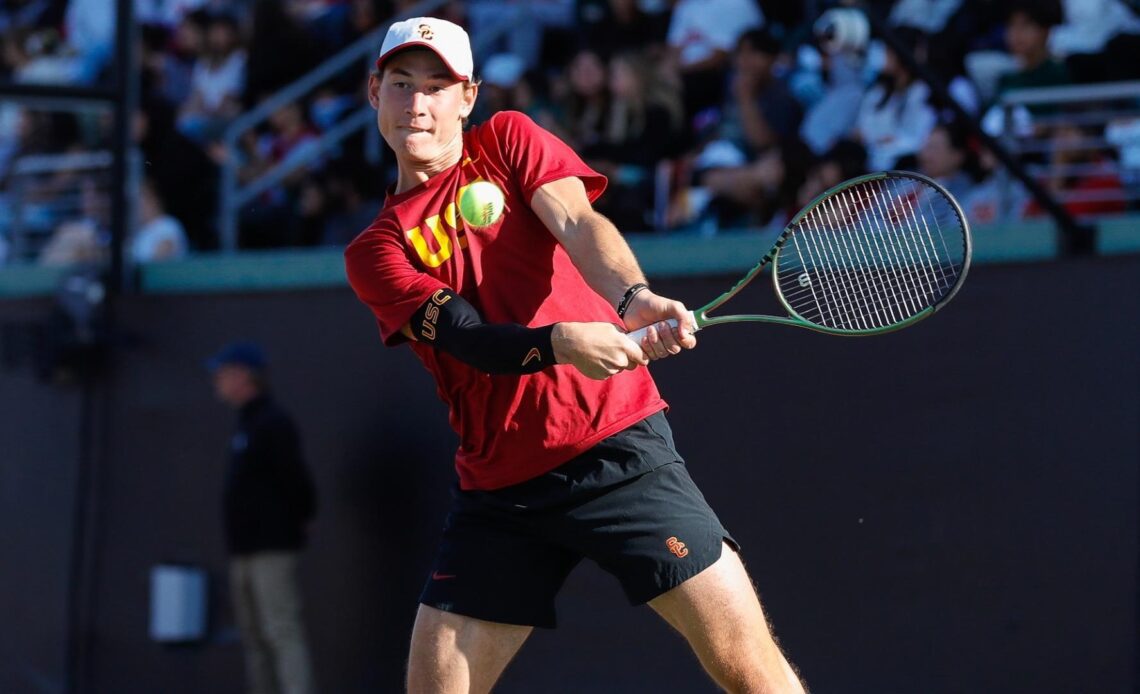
x=269, y=494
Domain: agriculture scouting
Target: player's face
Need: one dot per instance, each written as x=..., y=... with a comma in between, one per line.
x=420, y=109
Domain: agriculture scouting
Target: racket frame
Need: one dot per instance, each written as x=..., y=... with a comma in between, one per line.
x=702, y=319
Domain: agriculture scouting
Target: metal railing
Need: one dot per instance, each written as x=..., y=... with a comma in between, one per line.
x=46, y=190
x=1080, y=141
x=233, y=194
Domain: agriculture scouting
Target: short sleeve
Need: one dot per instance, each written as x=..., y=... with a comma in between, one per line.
x=537, y=156
x=383, y=277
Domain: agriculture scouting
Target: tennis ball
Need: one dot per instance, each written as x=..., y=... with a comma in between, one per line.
x=481, y=204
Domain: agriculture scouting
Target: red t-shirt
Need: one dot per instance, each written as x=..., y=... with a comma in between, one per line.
x=511, y=427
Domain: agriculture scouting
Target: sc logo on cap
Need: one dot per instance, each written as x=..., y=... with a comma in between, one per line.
x=425, y=32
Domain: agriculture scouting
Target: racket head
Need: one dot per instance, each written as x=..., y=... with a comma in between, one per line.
x=874, y=254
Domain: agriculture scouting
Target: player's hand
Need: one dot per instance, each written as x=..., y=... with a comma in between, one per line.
x=598, y=350
x=661, y=339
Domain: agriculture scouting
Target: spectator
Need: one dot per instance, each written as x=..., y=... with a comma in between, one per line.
x=641, y=127
x=845, y=160
x=501, y=73
x=741, y=173
x=352, y=202
x=311, y=209
x=761, y=111
x=531, y=95
x=1082, y=38
x=996, y=198
x=732, y=191
x=831, y=86
x=1027, y=36
x=267, y=501
x=946, y=157
x=274, y=221
x=943, y=57
x=47, y=200
x=83, y=239
x=280, y=50
x=530, y=22
x=164, y=73
x=1122, y=49
x=39, y=57
x=1081, y=175
x=172, y=62
x=291, y=136
x=586, y=99
x=324, y=21
x=183, y=175
x=895, y=115
x=217, y=82
x=508, y=86
x=364, y=16
x=90, y=29
x=328, y=106
x=159, y=236
x=610, y=24
x=702, y=34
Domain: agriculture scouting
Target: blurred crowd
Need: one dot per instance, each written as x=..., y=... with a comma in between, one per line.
x=704, y=114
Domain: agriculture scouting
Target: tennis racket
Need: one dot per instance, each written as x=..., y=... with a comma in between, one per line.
x=873, y=254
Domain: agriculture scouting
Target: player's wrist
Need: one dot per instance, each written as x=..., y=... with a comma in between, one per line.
x=560, y=342
x=631, y=295
x=645, y=307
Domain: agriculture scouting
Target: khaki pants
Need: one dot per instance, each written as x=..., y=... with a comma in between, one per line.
x=267, y=605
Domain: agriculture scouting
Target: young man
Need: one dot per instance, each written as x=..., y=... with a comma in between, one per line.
x=564, y=451
x=1027, y=35
x=268, y=500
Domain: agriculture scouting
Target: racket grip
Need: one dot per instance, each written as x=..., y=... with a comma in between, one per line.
x=639, y=334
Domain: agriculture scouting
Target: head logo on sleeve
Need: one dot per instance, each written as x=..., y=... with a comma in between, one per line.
x=532, y=354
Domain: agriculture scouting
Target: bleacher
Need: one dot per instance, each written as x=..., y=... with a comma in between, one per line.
x=257, y=187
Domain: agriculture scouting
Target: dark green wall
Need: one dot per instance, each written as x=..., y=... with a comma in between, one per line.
x=949, y=508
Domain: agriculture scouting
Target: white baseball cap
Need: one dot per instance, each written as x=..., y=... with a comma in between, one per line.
x=448, y=40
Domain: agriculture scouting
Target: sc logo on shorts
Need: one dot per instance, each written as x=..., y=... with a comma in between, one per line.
x=677, y=547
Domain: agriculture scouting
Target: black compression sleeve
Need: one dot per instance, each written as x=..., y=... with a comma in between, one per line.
x=450, y=323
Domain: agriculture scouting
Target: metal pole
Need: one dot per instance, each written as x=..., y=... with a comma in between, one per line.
x=95, y=395
x=227, y=182
x=126, y=101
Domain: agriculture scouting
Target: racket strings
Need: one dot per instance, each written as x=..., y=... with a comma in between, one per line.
x=899, y=290
x=872, y=255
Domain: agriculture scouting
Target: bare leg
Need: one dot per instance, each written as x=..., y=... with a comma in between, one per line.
x=718, y=612
x=453, y=654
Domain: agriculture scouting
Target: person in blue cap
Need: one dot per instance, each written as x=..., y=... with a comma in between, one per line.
x=268, y=499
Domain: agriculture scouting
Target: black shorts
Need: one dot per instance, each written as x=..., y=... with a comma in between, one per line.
x=628, y=504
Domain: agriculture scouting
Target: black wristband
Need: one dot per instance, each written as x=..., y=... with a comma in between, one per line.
x=448, y=322
x=633, y=291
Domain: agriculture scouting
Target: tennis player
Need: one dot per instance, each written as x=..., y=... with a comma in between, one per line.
x=565, y=452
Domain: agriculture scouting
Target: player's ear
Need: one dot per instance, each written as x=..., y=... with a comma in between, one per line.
x=470, y=93
x=374, y=89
